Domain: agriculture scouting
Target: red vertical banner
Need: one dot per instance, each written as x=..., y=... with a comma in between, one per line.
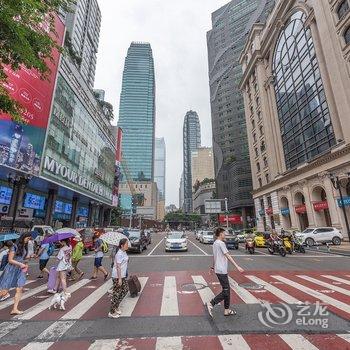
x=21, y=145
x=118, y=158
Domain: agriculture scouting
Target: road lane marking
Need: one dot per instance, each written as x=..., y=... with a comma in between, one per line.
x=325, y=298
x=172, y=254
x=277, y=292
x=169, y=343
x=337, y=279
x=170, y=306
x=325, y=284
x=7, y=327
x=245, y=295
x=205, y=253
x=38, y=346
x=26, y=295
x=55, y=331
x=206, y=294
x=345, y=336
x=297, y=342
x=40, y=307
x=104, y=344
x=128, y=304
x=150, y=253
x=233, y=342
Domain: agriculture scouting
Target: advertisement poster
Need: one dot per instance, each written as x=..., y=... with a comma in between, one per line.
x=118, y=158
x=21, y=145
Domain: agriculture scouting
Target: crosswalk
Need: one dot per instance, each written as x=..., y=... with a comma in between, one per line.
x=164, y=295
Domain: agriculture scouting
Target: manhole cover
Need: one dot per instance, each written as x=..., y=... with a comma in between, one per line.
x=192, y=287
x=251, y=286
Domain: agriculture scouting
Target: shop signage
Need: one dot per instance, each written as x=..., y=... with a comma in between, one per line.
x=318, y=206
x=269, y=211
x=285, y=211
x=71, y=176
x=345, y=202
x=232, y=219
x=261, y=212
x=21, y=145
x=300, y=209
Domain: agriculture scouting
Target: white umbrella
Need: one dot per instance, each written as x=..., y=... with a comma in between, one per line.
x=112, y=237
x=69, y=230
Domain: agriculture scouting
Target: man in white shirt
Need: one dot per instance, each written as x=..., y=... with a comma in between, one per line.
x=221, y=258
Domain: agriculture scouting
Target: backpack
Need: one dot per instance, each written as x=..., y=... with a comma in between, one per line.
x=50, y=249
x=104, y=247
x=4, y=262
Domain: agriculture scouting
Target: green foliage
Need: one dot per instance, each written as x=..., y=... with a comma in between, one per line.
x=179, y=217
x=116, y=215
x=24, y=40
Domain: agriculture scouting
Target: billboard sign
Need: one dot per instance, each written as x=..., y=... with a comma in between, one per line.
x=21, y=145
x=213, y=206
x=232, y=219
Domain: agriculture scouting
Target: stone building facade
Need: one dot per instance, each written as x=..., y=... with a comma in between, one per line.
x=296, y=86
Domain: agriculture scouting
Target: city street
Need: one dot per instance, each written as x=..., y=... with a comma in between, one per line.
x=170, y=313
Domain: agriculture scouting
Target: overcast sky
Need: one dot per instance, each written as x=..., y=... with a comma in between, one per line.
x=177, y=33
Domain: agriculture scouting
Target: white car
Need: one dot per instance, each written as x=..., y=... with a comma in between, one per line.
x=312, y=236
x=176, y=241
x=42, y=231
x=207, y=237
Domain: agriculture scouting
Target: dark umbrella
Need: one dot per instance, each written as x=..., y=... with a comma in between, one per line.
x=58, y=237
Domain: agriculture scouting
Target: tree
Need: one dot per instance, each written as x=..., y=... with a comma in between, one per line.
x=25, y=40
x=116, y=215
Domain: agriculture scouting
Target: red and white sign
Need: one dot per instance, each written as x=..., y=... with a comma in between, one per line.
x=318, y=206
x=269, y=211
x=32, y=92
x=232, y=219
x=300, y=209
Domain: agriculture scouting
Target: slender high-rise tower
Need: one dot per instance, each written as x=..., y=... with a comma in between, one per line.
x=137, y=112
x=159, y=167
x=191, y=142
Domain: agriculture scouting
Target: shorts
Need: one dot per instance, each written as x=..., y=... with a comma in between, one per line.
x=43, y=263
x=98, y=262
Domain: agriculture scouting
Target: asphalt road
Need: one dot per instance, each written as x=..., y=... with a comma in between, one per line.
x=170, y=312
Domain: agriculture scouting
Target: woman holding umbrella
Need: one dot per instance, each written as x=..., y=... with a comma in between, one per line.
x=14, y=275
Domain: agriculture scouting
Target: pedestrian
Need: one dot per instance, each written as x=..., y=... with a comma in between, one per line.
x=14, y=275
x=44, y=257
x=221, y=258
x=99, y=253
x=77, y=255
x=30, y=248
x=119, y=276
x=4, y=259
x=64, y=257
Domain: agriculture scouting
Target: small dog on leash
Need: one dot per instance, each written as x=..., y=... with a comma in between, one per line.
x=59, y=299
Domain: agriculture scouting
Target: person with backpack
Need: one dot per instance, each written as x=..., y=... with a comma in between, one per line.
x=100, y=248
x=44, y=253
x=14, y=275
x=77, y=255
x=4, y=259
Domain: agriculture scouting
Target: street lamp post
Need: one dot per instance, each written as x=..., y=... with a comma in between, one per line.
x=226, y=212
x=337, y=185
x=17, y=182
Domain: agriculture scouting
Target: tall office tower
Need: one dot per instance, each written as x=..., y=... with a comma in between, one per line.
x=230, y=26
x=159, y=166
x=191, y=142
x=83, y=32
x=137, y=111
x=181, y=192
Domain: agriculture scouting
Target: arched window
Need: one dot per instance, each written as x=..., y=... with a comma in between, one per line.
x=258, y=166
x=343, y=9
x=267, y=177
x=347, y=35
x=305, y=122
x=260, y=182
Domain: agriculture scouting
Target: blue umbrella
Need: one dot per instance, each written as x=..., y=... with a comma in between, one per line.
x=9, y=236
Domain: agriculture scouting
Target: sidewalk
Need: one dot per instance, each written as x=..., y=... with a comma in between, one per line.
x=343, y=249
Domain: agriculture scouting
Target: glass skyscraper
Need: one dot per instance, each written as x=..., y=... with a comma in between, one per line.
x=191, y=142
x=159, y=166
x=137, y=112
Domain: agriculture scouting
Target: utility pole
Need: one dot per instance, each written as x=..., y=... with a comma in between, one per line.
x=226, y=212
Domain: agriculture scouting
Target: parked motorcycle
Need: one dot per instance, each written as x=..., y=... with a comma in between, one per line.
x=287, y=243
x=250, y=245
x=298, y=245
x=275, y=245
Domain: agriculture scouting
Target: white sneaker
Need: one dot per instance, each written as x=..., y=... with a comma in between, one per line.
x=51, y=291
x=5, y=297
x=119, y=312
x=110, y=315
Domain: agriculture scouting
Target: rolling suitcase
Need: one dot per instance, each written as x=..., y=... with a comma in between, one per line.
x=134, y=286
